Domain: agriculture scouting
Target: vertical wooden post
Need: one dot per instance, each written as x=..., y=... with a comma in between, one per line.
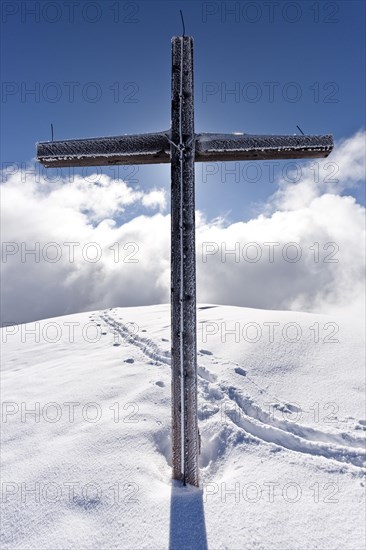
x=185, y=438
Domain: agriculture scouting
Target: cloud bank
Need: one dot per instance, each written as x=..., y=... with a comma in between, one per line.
x=64, y=249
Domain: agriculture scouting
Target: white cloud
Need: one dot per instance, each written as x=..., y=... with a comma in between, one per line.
x=136, y=271
x=155, y=199
x=343, y=169
x=326, y=277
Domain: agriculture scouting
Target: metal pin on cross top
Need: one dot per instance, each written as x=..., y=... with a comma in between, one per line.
x=182, y=147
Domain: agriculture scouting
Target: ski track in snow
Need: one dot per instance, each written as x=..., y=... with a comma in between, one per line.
x=249, y=416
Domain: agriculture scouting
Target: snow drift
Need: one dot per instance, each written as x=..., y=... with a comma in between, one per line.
x=86, y=432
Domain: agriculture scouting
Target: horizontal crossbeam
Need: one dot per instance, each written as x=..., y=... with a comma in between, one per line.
x=155, y=148
x=229, y=147
x=133, y=149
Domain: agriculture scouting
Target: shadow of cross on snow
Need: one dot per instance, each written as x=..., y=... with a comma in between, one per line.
x=187, y=519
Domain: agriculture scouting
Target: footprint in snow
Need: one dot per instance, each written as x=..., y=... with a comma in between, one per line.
x=240, y=371
x=86, y=503
x=279, y=406
x=205, y=352
x=129, y=360
x=160, y=383
x=206, y=374
x=287, y=407
x=293, y=408
x=207, y=410
x=275, y=450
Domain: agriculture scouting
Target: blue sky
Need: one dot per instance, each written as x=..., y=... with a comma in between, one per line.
x=309, y=55
x=260, y=67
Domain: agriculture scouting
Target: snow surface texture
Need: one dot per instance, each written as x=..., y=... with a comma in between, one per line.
x=281, y=416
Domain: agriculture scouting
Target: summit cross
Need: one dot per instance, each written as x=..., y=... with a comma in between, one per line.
x=182, y=147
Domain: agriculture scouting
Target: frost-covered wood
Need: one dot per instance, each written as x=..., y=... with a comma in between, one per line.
x=226, y=147
x=133, y=149
x=155, y=149
x=185, y=441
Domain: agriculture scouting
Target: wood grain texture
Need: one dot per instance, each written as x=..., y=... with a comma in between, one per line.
x=185, y=444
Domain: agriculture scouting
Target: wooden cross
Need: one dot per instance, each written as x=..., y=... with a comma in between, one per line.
x=182, y=147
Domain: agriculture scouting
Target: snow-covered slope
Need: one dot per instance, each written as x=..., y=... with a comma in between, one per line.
x=282, y=422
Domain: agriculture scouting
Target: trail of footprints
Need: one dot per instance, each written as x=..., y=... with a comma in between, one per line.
x=244, y=413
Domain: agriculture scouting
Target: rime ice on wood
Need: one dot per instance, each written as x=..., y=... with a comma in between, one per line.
x=182, y=148
x=185, y=445
x=155, y=149
x=138, y=149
